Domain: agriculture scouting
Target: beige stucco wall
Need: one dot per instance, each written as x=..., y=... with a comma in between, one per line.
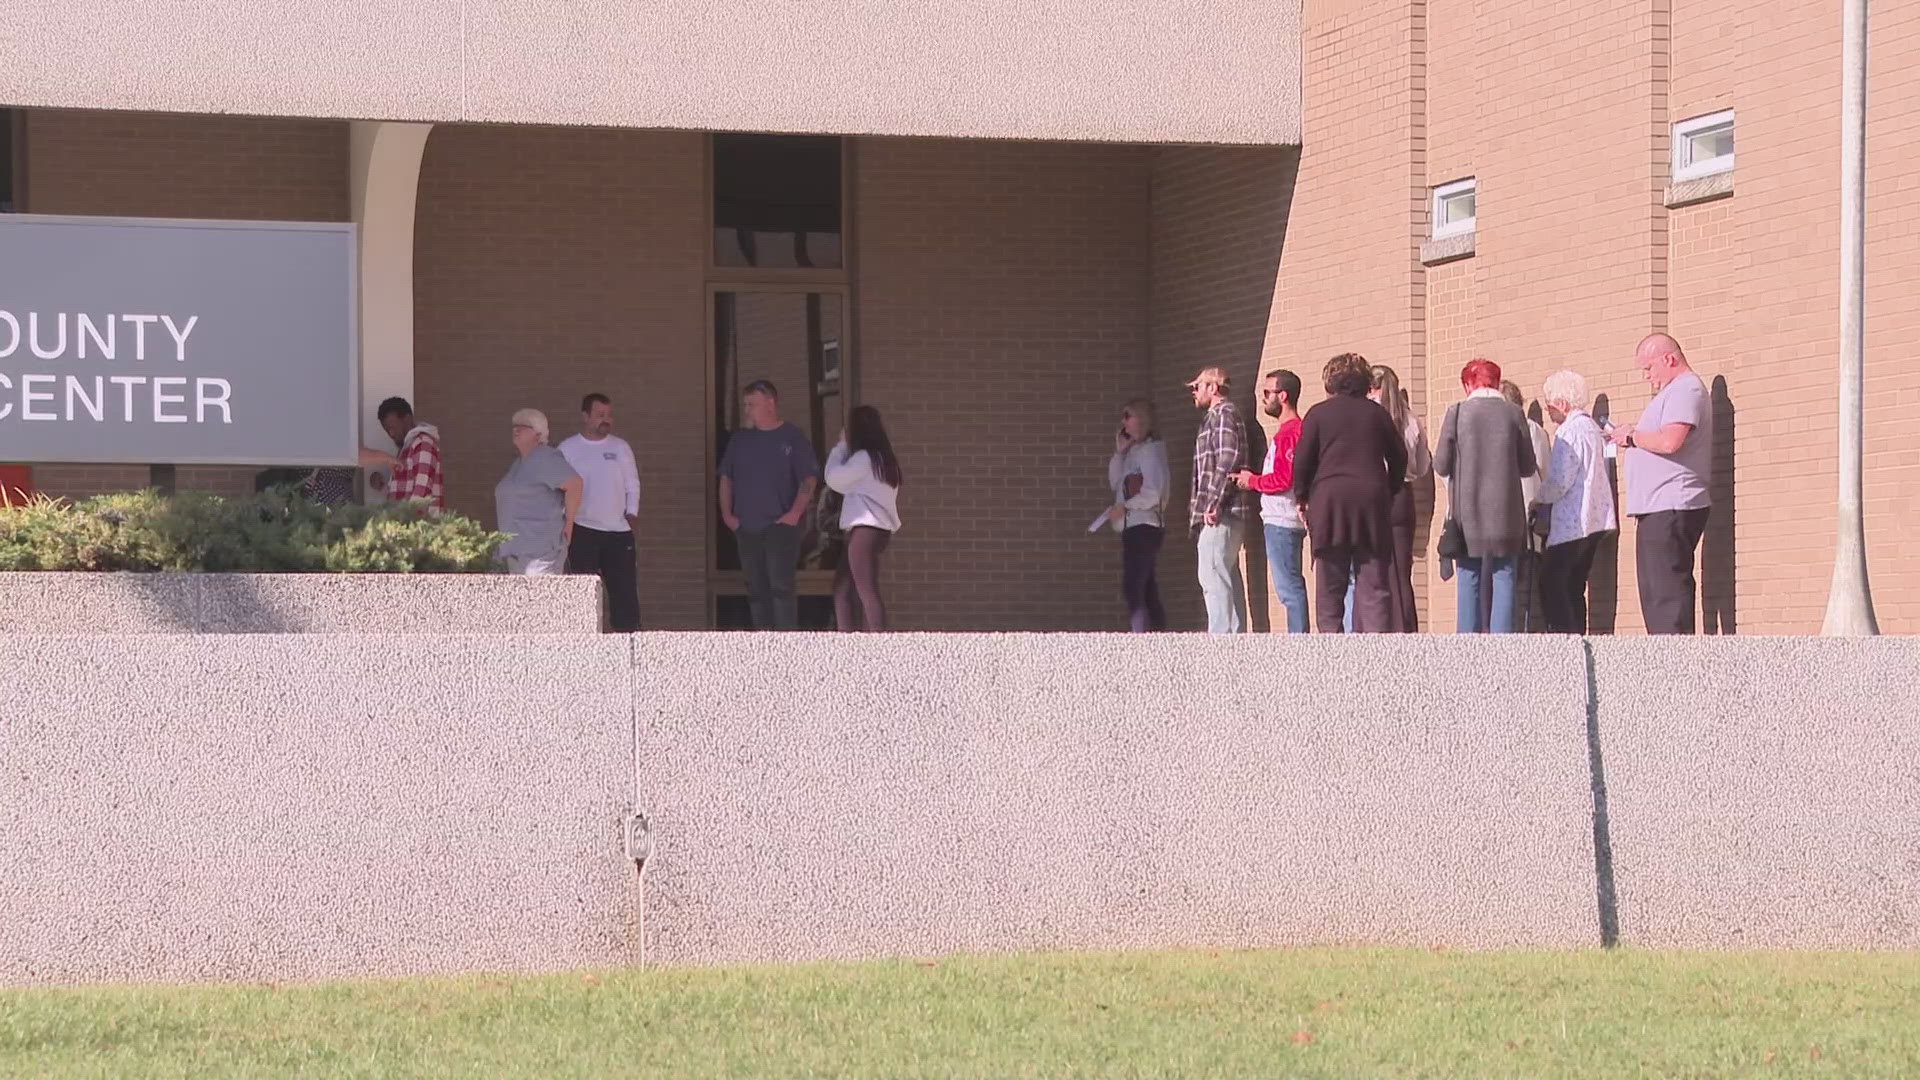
x=1148, y=70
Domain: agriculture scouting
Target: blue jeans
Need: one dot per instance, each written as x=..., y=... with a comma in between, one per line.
x=1289, y=583
x=1467, y=593
x=1352, y=585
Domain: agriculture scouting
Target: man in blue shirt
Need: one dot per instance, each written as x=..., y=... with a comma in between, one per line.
x=767, y=477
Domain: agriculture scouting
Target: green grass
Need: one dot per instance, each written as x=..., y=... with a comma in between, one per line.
x=1318, y=1012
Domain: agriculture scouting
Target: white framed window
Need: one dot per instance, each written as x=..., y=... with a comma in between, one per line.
x=1703, y=146
x=1453, y=208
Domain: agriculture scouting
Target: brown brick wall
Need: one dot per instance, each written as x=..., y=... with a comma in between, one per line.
x=1565, y=124
x=554, y=262
x=154, y=165
x=1219, y=223
x=1002, y=320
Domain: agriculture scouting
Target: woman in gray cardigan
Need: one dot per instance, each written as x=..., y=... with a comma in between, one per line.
x=1484, y=451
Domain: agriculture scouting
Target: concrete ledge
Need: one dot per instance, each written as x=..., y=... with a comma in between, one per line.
x=1705, y=189
x=299, y=807
x=938, y=793
x=1447, y=249
x=1763, y=792
x=81, y=603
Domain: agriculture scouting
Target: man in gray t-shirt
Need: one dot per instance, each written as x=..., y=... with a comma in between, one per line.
x=1669, y=464
x=767, y=477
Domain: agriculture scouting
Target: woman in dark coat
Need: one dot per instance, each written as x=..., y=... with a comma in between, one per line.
x=1484, y=451
x=1348, y=466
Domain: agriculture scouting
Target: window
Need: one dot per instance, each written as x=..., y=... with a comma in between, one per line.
x=1453, y=210
x=1703, y=146
x=776, y=201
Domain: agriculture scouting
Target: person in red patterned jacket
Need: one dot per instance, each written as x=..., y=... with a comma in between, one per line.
x=418, y=474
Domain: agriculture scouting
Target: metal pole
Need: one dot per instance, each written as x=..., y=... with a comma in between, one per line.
x=1849, y=600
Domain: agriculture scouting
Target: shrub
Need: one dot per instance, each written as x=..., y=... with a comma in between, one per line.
x=275, y=531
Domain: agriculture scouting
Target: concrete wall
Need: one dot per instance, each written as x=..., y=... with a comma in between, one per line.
x=286, y=807
x=263, y=808
x=1765, y=793
x=1150, y=70
x=76, y=603
x=1068, y=792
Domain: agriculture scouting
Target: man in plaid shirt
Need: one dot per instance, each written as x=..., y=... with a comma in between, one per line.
x=1215, y=510
x=417, y=475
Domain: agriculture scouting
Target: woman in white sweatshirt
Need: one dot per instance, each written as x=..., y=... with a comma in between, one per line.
x=1137, y=473
x=863, y=469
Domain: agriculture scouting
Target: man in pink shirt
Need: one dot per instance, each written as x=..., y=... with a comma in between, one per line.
x=1280, y=515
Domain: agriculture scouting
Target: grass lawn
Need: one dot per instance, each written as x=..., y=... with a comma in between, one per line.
x=1315, y=1012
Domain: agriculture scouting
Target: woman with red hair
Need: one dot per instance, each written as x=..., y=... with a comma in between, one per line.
x=1484, y=451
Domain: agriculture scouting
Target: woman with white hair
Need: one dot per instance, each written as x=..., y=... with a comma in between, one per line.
x=536, y=501
x=1582, y=513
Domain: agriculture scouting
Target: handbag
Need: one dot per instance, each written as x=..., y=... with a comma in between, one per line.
x=1453, y=540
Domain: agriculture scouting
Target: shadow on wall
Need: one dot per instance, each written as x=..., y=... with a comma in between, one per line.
x=1718, y=554
x=1603, y=585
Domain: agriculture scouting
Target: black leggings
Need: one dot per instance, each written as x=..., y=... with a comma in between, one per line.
x=856, y=585
x=1139, y=578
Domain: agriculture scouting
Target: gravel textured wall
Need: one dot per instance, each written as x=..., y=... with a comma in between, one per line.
x=253, y=808
x=245, y=807
x=1762, y=792
x=1142, y=70
x=994, y=792
x=73, y=603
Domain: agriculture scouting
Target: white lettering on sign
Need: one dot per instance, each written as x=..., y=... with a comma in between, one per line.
x=93, y=405
x=28, y=397
x=161, y=399
x=87, y=329
x=140, y=333
x=33, y=336
x=86, y=336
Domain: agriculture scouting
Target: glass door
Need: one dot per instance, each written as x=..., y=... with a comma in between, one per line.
x=794, y=337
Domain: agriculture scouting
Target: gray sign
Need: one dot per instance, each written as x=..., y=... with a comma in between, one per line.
x=188, y=342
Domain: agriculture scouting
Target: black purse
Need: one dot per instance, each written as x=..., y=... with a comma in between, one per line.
x=1453, y=541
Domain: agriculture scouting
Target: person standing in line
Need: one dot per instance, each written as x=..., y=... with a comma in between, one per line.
x=1669, y=463
x=418, y=473
x=1388, y=394
x=536, y=503
x=1214, y=512
x=767, y=479
x=1579, y=503
x=603, y=535
x=1286, y=530
x=1138, y=476
x=1530, y=493
x=864, y=469
x=1348, y=466
x=1484, y=452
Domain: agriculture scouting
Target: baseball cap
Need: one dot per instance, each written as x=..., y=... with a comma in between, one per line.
x=1215, y=375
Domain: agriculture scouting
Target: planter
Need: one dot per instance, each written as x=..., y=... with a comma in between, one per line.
x=82, y=603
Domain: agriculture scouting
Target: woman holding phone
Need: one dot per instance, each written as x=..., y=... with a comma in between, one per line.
x=1137, y=473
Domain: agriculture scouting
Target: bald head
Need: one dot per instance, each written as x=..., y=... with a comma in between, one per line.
x=1660, y=359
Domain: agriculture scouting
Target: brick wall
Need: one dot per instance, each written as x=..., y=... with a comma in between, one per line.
x=1002, y=321
x=1219, y=222
x=1566, y=127
x=554, y=262
x=154, y=165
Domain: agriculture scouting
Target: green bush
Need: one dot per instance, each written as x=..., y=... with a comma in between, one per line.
x=277, y=531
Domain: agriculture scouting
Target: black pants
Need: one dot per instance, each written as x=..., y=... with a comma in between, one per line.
x=1564, y=570
x=856, y=584
x=1663, y=555
x=1406, y=616
x=770, y=557
x=610, y=555
x=1372, y=575
x=1139, y=577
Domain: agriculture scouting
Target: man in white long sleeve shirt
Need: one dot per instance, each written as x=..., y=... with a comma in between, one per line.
x=603, y=531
